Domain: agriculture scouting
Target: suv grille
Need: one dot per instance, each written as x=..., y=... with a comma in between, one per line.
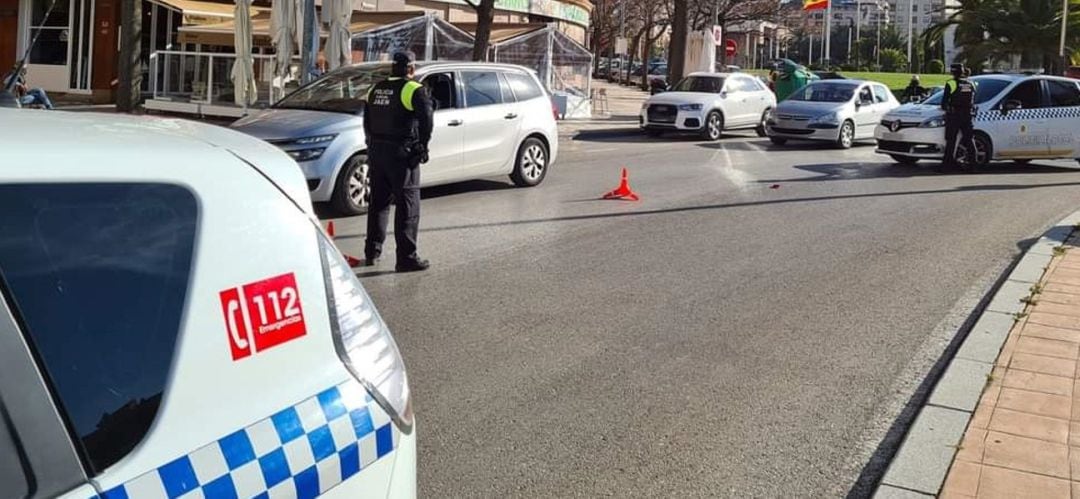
x=662, y=113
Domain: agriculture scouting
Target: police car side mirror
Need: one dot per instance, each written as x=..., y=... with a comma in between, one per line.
x=1011, y=105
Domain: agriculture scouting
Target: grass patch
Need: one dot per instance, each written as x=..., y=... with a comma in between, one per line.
x=895, y=81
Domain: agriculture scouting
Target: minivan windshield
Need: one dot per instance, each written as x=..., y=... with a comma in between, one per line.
x=825, y=91
x=341, y=91
x=985, y=89
x=708, y=84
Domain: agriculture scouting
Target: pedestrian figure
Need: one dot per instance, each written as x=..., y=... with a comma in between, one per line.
x=397, y=126
x=914, y=91
x=16, y=81
x=959, y=105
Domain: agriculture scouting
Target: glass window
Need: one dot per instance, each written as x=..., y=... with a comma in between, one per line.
x=1028, y=93
x=1063, y=94
x=97, y=274
x=825, y=92
x=441, y=88
x=524, y=87
x=51, y=46
x=881, y=94
x=342, y=90
x=985, y=89
x=865, y=95
x=708, y=84
x=481, y=88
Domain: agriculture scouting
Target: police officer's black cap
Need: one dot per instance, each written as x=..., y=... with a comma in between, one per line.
x=956, y=68
x=404, y=59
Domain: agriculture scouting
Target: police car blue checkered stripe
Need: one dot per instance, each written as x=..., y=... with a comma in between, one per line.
x=1030, y=114
x=301, y=451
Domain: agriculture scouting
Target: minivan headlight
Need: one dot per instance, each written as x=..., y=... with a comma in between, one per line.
x=690, y=107
x=362, y=339
x=933, y=122
x=317, y=139
x=301, y=155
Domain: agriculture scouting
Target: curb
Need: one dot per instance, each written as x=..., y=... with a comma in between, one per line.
x=919, y=467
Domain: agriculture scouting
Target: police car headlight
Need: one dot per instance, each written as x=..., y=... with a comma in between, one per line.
x=690, y=107
x=933, y=122
x=306, y=154
x=362, y=339
x=318, y=139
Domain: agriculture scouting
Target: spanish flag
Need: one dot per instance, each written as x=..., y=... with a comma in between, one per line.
x=814, y=4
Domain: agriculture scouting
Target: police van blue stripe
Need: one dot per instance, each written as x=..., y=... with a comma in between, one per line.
x=341, y=440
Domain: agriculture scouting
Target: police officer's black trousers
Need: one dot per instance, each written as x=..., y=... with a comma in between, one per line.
x=959, y=125
x=395, y=178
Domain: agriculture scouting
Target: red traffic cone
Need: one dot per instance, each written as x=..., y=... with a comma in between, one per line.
x=352, y=261
x=623, y=191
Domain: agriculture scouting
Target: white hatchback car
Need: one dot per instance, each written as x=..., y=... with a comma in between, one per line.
x=708, y=104
x=1019, y=118
x=174, y=323
x=490, y=119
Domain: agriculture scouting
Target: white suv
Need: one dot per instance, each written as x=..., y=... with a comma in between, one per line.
x=708, y=104
x=175, y=323
x=490, y=119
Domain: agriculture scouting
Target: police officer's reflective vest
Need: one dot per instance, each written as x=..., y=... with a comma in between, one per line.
x=961, y=94
x=391, y=117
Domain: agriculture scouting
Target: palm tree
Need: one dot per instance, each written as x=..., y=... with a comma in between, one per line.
x=996, y=32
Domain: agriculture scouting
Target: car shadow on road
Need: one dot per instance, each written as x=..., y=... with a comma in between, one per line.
x=624, y=135
x=480, y=185
x=864, y=170
x=765, y=202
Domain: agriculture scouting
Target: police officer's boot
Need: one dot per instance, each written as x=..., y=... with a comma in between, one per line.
x=412, y=265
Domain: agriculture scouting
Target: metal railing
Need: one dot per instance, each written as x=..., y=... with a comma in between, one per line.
x=206, y=78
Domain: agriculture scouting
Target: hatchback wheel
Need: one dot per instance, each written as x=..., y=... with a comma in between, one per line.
x=714, y=126
x=847, y=135
x=532, y=163
x=352, y=192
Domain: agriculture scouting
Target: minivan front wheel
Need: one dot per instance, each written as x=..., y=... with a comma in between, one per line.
x=532, y=163
x=352, y=192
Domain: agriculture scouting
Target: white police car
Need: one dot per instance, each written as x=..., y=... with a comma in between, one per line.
x=174, y=323
x=1020, y=118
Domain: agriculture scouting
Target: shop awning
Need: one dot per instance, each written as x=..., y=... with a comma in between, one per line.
x=199, y=12
x=501, y=32
x=221, y=34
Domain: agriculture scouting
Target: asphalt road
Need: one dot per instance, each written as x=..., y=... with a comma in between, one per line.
x=751, y=327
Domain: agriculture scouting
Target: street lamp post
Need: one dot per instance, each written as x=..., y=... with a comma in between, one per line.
x=1064, y=23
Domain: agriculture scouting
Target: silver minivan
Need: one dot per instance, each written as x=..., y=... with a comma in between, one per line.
x=490, y=119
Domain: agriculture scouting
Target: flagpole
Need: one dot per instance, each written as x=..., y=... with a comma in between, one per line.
x=828, y=32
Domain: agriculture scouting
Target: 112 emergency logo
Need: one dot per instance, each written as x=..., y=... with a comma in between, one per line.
x=262, y=314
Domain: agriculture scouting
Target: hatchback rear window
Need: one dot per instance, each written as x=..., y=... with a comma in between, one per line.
x=97, y=275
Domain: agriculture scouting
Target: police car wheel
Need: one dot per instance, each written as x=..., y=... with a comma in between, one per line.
x=532, y=163
x=352, y=192
x=714, y=126
x=846, y=138
x=984, y=150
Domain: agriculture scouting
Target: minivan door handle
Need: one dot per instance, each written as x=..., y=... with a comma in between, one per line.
x=510, y=116
x=454, y=123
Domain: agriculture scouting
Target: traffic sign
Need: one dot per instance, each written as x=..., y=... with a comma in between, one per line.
x=718, y=35
x=730, y=48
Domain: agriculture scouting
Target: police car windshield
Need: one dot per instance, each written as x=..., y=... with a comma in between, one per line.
x=985, y=89
x=708, y=84
x=341, y=91
x=825, y=92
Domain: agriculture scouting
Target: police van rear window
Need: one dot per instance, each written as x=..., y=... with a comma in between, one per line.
x=97, y=275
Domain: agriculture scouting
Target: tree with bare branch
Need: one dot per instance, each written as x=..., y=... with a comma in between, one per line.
x=485, y=16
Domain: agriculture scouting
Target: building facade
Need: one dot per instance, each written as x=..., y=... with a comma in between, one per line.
x=77, y=41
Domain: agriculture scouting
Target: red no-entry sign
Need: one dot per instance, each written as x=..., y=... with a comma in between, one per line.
x=730, y=47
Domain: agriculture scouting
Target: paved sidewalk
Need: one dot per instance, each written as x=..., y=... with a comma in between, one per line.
x=1024, y=437
x=624, y=104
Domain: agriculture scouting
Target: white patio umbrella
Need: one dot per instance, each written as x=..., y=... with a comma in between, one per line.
x=339, y=42
x=283, y=34
x=243, y=70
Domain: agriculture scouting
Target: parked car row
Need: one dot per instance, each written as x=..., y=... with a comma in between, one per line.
x=1020, y=117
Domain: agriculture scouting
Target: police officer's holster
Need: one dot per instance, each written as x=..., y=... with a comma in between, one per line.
x=395, y=178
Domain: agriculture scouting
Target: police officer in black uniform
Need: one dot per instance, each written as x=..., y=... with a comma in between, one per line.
x=959, y=105
x=397, y=125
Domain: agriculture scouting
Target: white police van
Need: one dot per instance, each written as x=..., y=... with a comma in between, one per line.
x=1019, y=118
x=174, y=323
